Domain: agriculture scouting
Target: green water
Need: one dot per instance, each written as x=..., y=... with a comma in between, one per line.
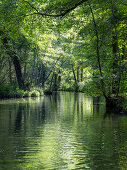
x=63, y=131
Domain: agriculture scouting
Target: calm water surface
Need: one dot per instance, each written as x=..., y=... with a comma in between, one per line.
x=63, y=131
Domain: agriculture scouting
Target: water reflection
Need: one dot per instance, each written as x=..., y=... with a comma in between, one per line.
x=63, y=131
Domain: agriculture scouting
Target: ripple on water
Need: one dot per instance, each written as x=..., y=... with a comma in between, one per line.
x=65, y=132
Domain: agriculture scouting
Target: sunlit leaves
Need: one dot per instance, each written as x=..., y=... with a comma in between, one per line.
x=71, y=38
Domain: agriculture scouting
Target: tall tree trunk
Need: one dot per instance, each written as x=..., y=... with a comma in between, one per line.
x=59, y=79
x=18, y=72
x=36, y=74
x=50, y=87
x=76, y=83
x=115, y=52
x=81, y=74
x=24, y=74
x=16, y=63
x=98, y=53
x=10, y=70
x=78, y=74
x=43, y=74
x=115, y=82
x=39, y=75
x=55, y=82
x=33, y=78
x=74, y=74
x=124, y=56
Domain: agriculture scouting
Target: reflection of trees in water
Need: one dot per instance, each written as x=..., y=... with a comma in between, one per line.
x=87, y=135
x=100, y=137
x=96, y=104
x=18, y=120
x=42, y=112
x=100, y=146
x=106, y=143
x=29, y=117
x=83, y=106
x=22, y=120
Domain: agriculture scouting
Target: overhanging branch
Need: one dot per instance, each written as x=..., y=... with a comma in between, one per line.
x=54, y=15
x=31, y=5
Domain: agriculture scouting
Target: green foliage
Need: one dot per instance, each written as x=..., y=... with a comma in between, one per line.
x=26, y=93
x=40, y=92
x=89, y=87
x=19, y=93
x=7, y=91
x=34, y=93
x=92, y=88
x=66, y=46
x=67, y=87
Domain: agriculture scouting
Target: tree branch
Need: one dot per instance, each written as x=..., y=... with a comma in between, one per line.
x=31, y=5
x=54, y=15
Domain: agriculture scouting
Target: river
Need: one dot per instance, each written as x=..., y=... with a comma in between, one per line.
x=62, y=131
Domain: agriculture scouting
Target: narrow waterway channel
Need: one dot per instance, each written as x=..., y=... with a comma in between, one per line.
x=63, y=131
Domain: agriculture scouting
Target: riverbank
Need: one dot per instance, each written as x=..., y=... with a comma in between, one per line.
x=10, y=92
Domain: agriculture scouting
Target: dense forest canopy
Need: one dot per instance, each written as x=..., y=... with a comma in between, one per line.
x=78, y=45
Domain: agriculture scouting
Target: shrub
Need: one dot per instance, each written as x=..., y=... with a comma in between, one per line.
x=12, y=94
x=26, y=93
x=40, y=92
x=19, y=93
x=34, y=93
x=6, y=91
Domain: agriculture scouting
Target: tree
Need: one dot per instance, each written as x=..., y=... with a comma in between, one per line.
x=90, y=33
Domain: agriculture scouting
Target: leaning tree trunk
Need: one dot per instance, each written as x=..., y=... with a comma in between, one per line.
x=76, y=83
x=55, y=82
x=16, y=63
x=18, y=72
